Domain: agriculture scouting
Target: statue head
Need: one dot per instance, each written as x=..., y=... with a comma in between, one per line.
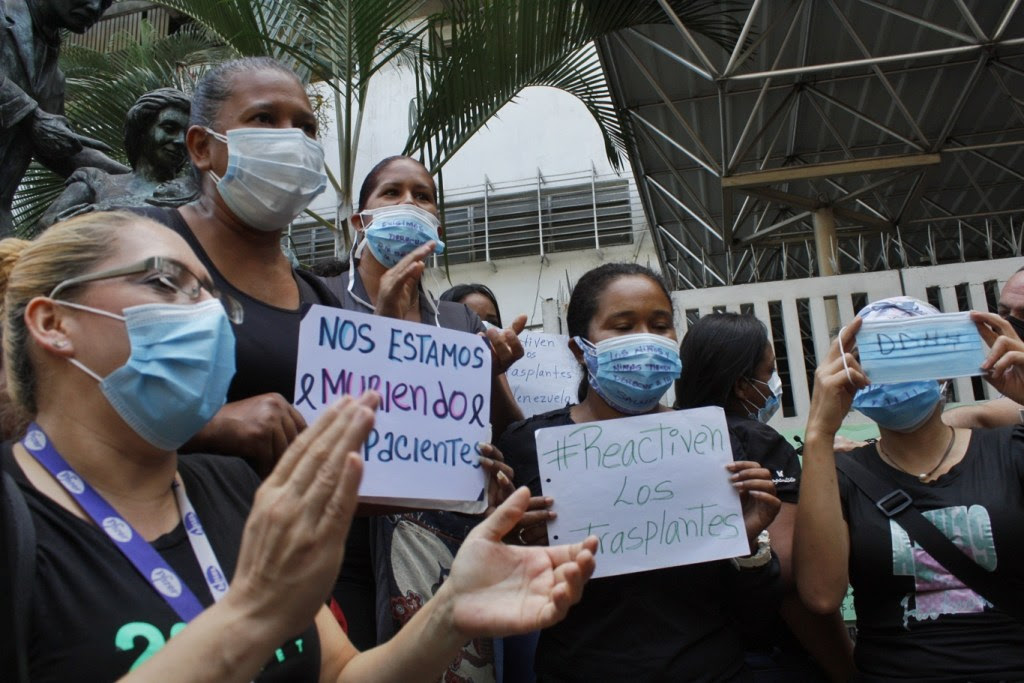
x=154, y=132
x=74, y=15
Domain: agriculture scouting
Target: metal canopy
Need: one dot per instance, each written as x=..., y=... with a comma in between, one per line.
x=894, y=131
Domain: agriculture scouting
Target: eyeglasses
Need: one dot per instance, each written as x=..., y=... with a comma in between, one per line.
x=166, y=273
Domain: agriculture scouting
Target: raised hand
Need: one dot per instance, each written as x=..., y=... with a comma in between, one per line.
x=499, y=479
x=258, y=428
x=757, y=496
x=1004, y=365
x=505, y=345
x=836, y=381
x=294, y=538
x=496, y=588
x=399, y=285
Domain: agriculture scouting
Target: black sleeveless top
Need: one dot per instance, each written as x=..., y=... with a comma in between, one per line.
x=267, y=340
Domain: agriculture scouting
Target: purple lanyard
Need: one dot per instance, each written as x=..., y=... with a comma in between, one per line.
x=140, y=553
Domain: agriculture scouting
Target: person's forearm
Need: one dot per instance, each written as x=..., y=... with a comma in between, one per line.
x=820, y=539
x=225, y=643
x=420, y=651
x=824, y=636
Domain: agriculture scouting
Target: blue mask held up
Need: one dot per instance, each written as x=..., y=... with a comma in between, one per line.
x=901, y=407
x=927, y=347
x=631, y=372
x=177, y=375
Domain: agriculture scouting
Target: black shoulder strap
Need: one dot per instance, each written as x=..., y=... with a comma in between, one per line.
x=896, y=504
x=17, y=570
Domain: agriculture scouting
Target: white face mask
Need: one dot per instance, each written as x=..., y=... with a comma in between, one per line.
x=273, y=174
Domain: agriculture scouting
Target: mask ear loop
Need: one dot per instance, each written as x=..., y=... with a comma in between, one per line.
x=842, y=354
x=352, y=274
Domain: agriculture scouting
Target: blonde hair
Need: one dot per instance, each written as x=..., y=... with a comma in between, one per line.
x=33, y=268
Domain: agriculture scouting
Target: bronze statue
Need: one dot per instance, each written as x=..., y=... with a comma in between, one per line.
x=32, y=122
x=154, y=142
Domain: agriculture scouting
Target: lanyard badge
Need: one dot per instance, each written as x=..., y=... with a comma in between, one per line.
x=146, y=560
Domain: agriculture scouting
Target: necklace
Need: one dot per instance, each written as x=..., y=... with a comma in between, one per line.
x=924, y=476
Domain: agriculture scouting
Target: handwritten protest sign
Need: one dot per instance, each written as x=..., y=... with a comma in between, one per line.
x=547, y=375
x=652, y=488
x=435, y=387
x=920, y=348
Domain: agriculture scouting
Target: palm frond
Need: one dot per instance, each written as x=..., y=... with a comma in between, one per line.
x=38, y=188
x=498, y=47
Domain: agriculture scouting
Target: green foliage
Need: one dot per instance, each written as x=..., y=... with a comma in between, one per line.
x=484, y=52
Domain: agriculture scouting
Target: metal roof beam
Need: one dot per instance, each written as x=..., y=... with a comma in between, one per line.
x=744, y=32
x=686, y=250
x=829, y=169
x=878, y=72
x=677, y=144
x=963, y=37
x=972, y=23
x=688, y=37
x=775, y=226
x=954, y=113
x=966, y=216
x=671, y=55
x=856, y=63
x=666, y=100
x=853, y=111
x=684, y=207
x=801, y=202
x=1011, y=7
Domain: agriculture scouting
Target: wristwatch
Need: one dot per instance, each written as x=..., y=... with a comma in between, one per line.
x=760, y=558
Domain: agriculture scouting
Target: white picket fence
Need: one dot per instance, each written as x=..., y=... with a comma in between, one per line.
x=971, y=278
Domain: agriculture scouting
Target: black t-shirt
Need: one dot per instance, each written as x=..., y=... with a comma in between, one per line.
x=93, y=617
x=752, y=440
x=267, y=340
x=673, y=624
x=914, y=619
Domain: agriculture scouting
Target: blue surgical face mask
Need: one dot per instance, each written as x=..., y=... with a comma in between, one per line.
x=177, y=375
x=631, y=372
x=391, y=232
x=900, y=407
x=926, y=347
x=273, y=174
x=772, y=402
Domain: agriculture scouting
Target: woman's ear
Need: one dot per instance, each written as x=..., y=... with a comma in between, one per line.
x=47, y=326
x=742, y=390
x=357, y=221
x=577, y=352
x=197, y=142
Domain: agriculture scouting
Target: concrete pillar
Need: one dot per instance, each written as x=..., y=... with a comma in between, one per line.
x=826, y=247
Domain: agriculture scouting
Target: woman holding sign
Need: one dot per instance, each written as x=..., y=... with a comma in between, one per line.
x=728, y=361
x=669, y=624
x=118, y=347
x=395, y=563
x=925, y=523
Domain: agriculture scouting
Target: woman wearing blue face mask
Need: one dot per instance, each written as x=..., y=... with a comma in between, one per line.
x=394, y=563
x=669, y=624
x=253, y=147
x=917, y=619
x=117, y=349
x=728, y=361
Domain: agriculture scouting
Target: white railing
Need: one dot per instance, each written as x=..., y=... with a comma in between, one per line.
x=838, y=292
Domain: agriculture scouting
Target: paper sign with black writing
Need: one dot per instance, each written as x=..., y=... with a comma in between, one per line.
x=654, y=489
x=922, y=348
x=435, y=388
x=547, y=375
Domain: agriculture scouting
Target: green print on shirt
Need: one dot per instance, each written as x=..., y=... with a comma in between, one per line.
x=936, y=591
x=153, y=640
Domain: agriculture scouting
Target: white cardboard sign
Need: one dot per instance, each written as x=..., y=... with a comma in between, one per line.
x=547, y=375
x=653, y=488
x=435, y=387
